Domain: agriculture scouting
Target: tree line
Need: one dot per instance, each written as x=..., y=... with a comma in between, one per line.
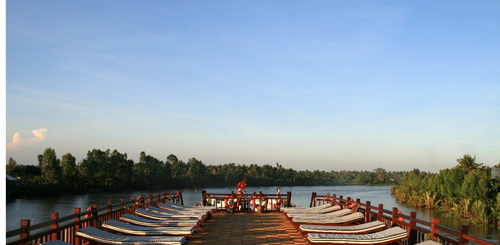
x=470, y=190
x=114, y=171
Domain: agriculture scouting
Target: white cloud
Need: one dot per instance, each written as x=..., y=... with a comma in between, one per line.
x=17, y=141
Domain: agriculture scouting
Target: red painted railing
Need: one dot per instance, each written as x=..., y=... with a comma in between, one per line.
x=420, y=230
x=64, y=228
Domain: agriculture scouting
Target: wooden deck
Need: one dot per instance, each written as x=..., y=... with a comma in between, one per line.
x=247, y=228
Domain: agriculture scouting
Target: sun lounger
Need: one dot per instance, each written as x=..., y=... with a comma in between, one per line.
x=166, y=211
x=342, y=220
x=337, y=213
x=293, y=209
x=391, y=235
x=363, y=228
x=127, y=229
x=132, y=219
x=316, y=211
x=95, y=235
x=152, y=215
x=178, y=206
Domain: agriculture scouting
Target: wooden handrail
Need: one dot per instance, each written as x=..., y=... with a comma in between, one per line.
x=417, y=234
x=64, y=228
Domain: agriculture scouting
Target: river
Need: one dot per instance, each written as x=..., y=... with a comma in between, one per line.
x=39, y=210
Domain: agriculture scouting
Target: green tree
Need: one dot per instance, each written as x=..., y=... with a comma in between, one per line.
x=68, y=165
x=468, y=163
x=50, y=165
x=11, y=165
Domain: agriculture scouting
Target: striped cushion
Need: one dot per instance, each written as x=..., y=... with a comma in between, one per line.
x=96, y=235
x=388, y=235
x=166, y=211
x=178, y=206
x=365, y=227
x=153, y=215
x=337, y=213
x=329, y=220
x=144, y=230
x=151, y=222
x=293, y=209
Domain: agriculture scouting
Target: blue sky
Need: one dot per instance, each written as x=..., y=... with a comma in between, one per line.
x=328, y=85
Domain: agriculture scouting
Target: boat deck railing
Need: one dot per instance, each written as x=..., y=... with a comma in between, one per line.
x=245, y=202
x=64, y=228
x=420, y=230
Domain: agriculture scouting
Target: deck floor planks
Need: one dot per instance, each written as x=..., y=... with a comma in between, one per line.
x=247, y=228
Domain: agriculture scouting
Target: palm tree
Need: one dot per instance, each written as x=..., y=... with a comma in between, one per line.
x=468, y=163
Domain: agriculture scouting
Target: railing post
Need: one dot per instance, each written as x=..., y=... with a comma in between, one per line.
x=348, y=201
x=394, y=216
x=123, y=210
x=313, y=197
x=340, y=201
x=55, y=234
x=380, y=212
x=25, y=224
x=158, y=197
x=368, y=211
x=109, y=210
x=204, y=197
x=435, y=222
x=413, y=232
x=334, y=199
x=328, y=197
x=132, y=199
x=165, y=194
x=289, y=199
x=77, y=220
x=180, y=197
x=151, y=200
x=95, y=215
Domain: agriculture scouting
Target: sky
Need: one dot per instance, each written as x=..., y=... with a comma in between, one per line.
x=316, y=85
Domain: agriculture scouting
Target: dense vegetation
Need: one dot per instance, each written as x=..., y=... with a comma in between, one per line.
x=467, y=191
x=113, y=171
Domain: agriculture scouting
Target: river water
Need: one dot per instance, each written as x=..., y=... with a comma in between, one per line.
x=39, y=210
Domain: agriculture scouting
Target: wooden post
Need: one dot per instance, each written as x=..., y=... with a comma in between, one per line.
x=158, y=198
x=334, y=199
x=394, y=217
x=380, y=212
x=132, y=199
x=340, y=201
x=204, y=196
x=25, y=224
x=328, y=198
x=313, y=197
x=289, y=199
x=123, y=209
x=165, y=194
x=109, y=210
x=95, y=215
x=435, y=222
x=368, y=211
x=413, y=232
x=180, y=197
x=55, y=234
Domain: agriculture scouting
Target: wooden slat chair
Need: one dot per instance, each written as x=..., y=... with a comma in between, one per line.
x=182, y=207
x=166, y=211
x=96, y=236
x=391, y=235
x=132, y=219
x=364, y=228
x=342, y=220
x=336, y=213
x=294, y=209
x=122, y=228
x=152, y=215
